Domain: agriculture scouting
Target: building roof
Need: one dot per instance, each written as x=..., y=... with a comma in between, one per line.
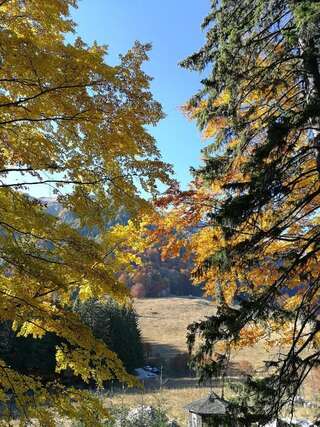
x=211, y=405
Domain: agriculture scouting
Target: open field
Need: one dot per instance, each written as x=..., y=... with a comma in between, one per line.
x=164, y=321
x=173, y=400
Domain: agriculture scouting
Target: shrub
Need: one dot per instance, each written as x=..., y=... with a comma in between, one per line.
x=141, y=416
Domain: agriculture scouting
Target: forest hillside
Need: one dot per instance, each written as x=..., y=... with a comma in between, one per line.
x=155, y=277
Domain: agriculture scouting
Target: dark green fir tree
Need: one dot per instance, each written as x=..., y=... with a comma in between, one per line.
x=260, y=106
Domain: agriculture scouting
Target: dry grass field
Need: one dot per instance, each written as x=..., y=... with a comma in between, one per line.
x=164, y=321
x=163, y=324
x=175, y=400
x=172, y=400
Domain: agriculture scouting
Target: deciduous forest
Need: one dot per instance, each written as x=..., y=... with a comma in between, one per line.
x=93, y=217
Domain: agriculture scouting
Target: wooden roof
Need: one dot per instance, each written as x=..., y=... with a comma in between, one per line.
x=211, y=405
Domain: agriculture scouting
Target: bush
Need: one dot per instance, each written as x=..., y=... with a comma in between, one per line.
x=141, y=416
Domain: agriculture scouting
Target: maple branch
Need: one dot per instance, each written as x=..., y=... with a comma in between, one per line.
x=31, y=169
x=52, y=89
x=45, y=119
x=51, y=181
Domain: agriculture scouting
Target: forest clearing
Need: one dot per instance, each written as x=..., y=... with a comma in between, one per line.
x=164, y=321
x=160, y=213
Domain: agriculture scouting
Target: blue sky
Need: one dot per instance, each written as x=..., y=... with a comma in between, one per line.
x=173, y=28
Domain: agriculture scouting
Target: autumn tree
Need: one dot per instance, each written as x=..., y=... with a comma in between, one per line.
x=255, y=202
x=70, y=121
x=117, y=326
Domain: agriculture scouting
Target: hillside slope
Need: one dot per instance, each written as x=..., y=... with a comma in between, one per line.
x=155, y=277
x=163, y=323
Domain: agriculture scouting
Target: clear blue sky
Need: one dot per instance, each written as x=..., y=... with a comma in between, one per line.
x=173, y=28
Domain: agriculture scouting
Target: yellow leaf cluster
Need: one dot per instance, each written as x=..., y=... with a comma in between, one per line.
x=74, y=123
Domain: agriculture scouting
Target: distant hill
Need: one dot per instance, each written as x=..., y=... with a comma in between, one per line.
x=156, y=277
x=161, y=278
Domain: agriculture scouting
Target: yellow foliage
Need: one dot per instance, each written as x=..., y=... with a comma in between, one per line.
x=70, y=121
x=271, y=250
x=250, y=335
x=229, y=290
x=214, y=127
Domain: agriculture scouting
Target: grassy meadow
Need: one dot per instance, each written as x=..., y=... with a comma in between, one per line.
x=163, y=323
